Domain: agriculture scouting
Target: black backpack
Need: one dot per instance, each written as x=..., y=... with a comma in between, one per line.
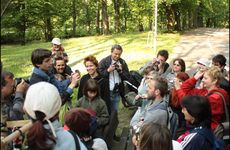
x=136, y=77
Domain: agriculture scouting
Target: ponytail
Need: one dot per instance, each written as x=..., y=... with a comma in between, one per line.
x=38, y=135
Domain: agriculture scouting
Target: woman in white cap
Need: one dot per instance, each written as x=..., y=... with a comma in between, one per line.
x=57, y=46
x=42, y=104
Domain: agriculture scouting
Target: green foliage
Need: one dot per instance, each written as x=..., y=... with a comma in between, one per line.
x=44, y=19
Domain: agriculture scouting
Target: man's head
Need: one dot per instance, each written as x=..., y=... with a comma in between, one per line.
x=157, y=88
x=59, y=64
x=8, y=87
x=116, y=52
x=41, y=58
x=219, y=61
x=163, y=55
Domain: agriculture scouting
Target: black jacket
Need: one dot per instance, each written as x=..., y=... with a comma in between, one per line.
x=106, y=62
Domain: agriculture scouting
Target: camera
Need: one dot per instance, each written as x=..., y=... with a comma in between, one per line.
x=19, y=80
x=117, y=67
x=116, y=88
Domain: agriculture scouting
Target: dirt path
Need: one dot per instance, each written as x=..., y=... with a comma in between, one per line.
x=199, y=43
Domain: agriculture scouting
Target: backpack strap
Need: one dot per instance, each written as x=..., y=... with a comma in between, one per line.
x=75, y=139
x=225, y=105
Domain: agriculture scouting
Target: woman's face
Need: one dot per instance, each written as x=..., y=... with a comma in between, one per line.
x=176, y=66
x=207, y=81
x=187, y=116
x=90, y=67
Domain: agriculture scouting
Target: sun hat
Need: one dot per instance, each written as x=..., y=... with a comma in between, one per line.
x=56, y=41
x=203, y=61
x=43, y=97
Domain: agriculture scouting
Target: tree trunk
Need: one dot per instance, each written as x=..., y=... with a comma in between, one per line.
x=105, y=18
x=184, y=23
x=150, y=23
x=48, y=35
x=169, y=16
x=177, y=19
x=117, y=15
x=74, y=18
x=208, y=23
x=4, y=5
x=98, y=18
x=189, y=19
x=195, y=18
x=125, y=15
x=199, y=16
x=23, y=25
x=140, y=25
x=88, y=18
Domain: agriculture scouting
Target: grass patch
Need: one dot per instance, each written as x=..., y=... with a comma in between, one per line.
x=16, y=58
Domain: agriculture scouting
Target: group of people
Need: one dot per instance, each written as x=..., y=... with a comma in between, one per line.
x=52, y=82
x=198, y=101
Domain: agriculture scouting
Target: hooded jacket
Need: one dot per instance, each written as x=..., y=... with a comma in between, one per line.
x=99, y=106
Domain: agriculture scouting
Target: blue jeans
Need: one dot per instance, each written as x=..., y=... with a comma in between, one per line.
x=115, y=98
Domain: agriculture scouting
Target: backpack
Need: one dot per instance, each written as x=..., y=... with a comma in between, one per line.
x=222, y=130
x=172, y=120
x=135, y=79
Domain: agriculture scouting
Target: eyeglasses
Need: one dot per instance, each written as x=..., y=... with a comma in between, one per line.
x=176, y=64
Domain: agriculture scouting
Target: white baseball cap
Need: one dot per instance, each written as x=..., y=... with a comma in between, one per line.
x=204, y=61
x=56, y=41
x=43, y=97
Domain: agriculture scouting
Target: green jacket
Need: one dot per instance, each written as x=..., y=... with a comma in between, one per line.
x=99, y=106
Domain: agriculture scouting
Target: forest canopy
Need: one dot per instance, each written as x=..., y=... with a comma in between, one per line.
x=29, y=20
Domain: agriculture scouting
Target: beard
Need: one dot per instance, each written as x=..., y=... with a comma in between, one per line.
x=151, y=96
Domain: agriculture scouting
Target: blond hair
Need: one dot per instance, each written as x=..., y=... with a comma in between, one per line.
x=215, y=73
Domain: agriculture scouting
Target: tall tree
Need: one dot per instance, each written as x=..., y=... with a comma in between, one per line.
x=105, y=18
x=98, y=17
x=4, y=5
x=74, y=15
x=116, y=4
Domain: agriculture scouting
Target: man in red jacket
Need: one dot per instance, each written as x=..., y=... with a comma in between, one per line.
x=210, y=81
